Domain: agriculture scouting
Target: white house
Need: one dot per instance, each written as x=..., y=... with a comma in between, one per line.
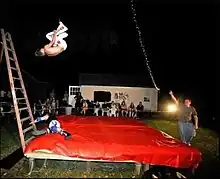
x=107, y=88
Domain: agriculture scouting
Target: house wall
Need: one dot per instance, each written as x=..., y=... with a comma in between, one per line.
x=148, y=96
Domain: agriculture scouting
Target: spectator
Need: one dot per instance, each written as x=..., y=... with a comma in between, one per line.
x=132, y=110
x=96, y=108
x=2, y=95
x=185, y=123
x=84, y=107
x=123, y=108
x=113, y=110
x=66, y=96
x=78, y=104
x=140, y=110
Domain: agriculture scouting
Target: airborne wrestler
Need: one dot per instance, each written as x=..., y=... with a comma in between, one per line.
x=57, y=45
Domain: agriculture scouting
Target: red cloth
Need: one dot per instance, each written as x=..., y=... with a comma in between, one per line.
x=109, y=138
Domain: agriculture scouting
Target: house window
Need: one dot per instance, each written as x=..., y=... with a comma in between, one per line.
x=146, y=99
x=74, y=90
x=102, y=96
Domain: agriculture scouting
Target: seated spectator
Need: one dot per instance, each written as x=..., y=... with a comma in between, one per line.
x=105, y=109
x=97, y=108
x=118, y=109
x=84, y=107
x=132, y=110
x=123, y=108
x=113, y=110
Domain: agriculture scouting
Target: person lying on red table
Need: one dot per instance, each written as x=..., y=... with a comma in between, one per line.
x=53, y=126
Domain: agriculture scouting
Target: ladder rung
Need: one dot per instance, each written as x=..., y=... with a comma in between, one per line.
x=25, y=119
x=15, y=78
x=13, y=68
x=12, y=59
x=6, y=34
x=22, y=109
x=28, y=140
x=28, y=129
x=20, y=99
x=10, y=49
x=18, y=88
x=7, y=39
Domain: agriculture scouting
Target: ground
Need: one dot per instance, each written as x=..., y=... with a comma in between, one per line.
x=206, y=140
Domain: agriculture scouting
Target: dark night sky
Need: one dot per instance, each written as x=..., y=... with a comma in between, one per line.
x=180, y=42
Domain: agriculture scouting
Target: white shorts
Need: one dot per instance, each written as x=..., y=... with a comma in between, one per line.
x=61, y=34
x=61, y=43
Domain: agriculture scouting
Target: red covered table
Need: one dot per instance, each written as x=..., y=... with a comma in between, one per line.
x=116, y=139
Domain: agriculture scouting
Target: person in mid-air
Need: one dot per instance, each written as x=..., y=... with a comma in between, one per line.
x=57, y=45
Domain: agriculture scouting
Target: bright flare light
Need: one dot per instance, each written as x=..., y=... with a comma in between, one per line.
x=172, y=108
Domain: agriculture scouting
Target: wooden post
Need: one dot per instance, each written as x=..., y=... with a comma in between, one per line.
x=88, y=166
x=146, y=167
x=138, y=168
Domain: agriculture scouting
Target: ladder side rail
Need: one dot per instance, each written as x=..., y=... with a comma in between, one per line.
x=17, y=113
x=2, y=52
x=21, y=81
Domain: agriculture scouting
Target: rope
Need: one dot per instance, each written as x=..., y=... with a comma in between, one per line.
x=33, y=77
x=142, y=44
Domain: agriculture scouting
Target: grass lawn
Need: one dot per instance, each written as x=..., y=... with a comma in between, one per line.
x=206, y=140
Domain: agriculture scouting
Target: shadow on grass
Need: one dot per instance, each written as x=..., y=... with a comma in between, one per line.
x=11, y=152
x=9, y=161
x=71, y=169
